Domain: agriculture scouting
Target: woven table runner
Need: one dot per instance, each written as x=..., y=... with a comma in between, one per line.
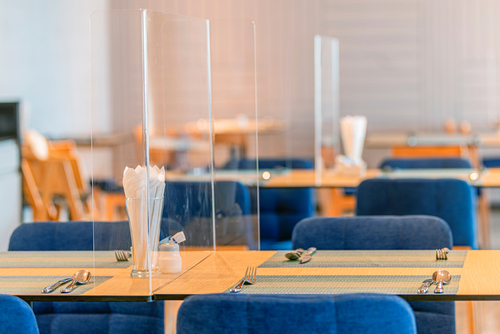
x=33, y=285
x=62, y=259
x=372, y=258
x=338, y=284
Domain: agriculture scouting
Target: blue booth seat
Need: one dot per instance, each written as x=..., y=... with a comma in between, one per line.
x=452, y=200
x=434, y=163
x=295, y=314
x=383, y=233
x=16, y=316
x=86, y=317
x=280, y=208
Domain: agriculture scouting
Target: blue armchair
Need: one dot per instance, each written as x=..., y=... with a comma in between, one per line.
x=189, y=205
x=16, y=317
x=88, y=317
x=280, y=208
x=452, y=200
x=294, y=314
x=425, y=163
x=385, y=232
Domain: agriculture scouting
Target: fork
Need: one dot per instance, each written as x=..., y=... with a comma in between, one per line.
x=442, y=254
x=121, y=255
x=249, y=278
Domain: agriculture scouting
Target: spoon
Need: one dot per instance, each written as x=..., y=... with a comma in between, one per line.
x=425, y=286
x=297, y=254
x=441, y=277
x=80, y=277
x=294, y=255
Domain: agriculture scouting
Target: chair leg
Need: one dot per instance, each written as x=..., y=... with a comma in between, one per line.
x=484, y=219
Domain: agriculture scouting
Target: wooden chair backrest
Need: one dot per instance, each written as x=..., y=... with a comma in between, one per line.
x=429, y=151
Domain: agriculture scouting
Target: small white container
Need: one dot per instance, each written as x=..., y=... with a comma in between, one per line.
x=170, y=259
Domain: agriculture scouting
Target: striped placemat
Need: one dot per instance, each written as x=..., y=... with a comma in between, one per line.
x=338, y=284
x=372, y=258
x=33, y=285
x=62, y=259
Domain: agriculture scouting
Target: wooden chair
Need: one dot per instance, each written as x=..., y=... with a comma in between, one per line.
x=54, y=169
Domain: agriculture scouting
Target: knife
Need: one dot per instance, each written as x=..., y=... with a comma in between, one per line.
x=308, y=255
x=425, y=286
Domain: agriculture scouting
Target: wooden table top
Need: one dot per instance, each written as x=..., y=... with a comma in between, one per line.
x=480, y=275
x=297, y=178
x=120, y=287
x=385, y=140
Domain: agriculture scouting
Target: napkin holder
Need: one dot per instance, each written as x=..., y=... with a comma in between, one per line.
x=346, y=166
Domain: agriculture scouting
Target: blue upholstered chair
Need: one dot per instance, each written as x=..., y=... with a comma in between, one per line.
x=425, y=163
x=280, y=209
x=291, y=314
x=452, y=200
x=16, y=316
x=385, y=232
x=189, y=205
x=88, y=317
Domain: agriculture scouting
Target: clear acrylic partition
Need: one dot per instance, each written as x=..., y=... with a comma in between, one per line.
x=150, y=84
x=326, y=103
x=236, y=131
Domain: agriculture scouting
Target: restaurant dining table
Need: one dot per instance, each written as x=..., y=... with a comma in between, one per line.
x=25, y=274
x=306, y=178
x=475, y=276
x=479, y=277
x=385, y=140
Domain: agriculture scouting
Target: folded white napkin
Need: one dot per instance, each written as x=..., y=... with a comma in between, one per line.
x=137, y=185
x=353, y=131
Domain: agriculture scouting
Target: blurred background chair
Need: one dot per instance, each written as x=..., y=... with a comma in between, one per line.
x=315, y=314
x=483, y=203
x=450, y=199
x=425, y=163
x=280, y=208
x=382, y=233
x=54, y=173
x=93, y=317
x=189, y=204
x=16, y=316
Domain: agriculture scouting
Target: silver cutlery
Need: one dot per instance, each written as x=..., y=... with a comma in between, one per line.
x=80, y=277
x=425, y=286
x=442, y=254
x=294, y=255
x=441, y=277
x=52, y=287
x=249, y=278
x=122, y=255
x=308, y=255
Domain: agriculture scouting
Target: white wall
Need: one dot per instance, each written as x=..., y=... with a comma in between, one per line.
x=405, y=64
x=45, y=62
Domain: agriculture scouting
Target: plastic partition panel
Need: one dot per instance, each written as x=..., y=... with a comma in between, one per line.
x=150, y=81
x=236, y=129
x=326, y=103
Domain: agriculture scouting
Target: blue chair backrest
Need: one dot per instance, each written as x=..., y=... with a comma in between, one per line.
x=425, y=163
x=189, y=206
x=95, y=317
x=372, y=232
x=16, y=316
x=280, y=208
x=452, y=200
x=185, y=200
x=385, y=232
x=314, y=314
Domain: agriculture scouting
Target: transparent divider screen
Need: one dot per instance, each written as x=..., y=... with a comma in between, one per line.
x=326, y=103
x=150, y=86
x=236, y=129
